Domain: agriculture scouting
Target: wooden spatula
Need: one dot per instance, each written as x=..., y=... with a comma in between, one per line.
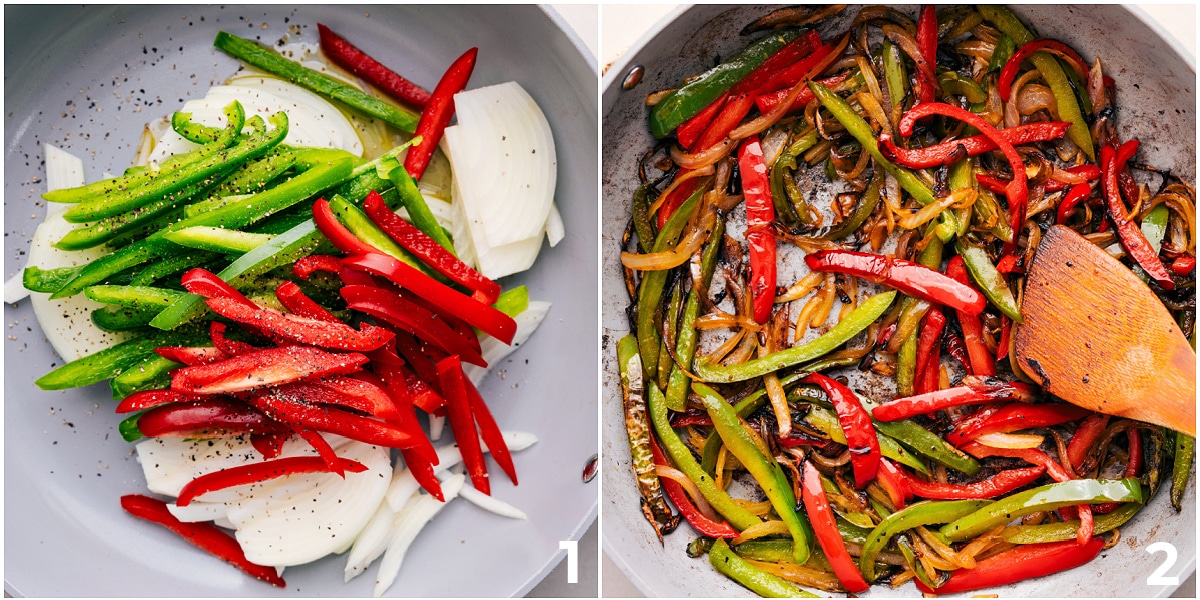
x=1096, y=336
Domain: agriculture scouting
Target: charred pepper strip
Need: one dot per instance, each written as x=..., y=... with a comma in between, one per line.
x=856, y=423
x=982, y=362
x=923, y=442
x=762, y=466
x=827, y=422
x=1066, y=530
x=637, y=426
x=989, y=280
x=1019, y=564
x=760, y=237
x=349, y=57
x=928, y=512
x=702, y=524
x=943, y=152
x=1046, y=497
x=850, y=325
x=909, y=277
x=206, y=536
x=1018, y=416
x=259, y=472
x=1112, y=163
x=1009, y=72
x=649, y=307
x=679, y=384
x=1185, y=453
x=760, y=582
x=997, y=485
x=974, y=390
x=828, y=536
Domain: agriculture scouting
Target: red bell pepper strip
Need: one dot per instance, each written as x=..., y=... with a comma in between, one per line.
x=436, y=115
x=1023, y=562
x=295, y=329
x=942, y=153
x=270, y=445
x=816, y=504
x=406, y=315
x=213, y=417
x=462, y=421
x=191, y=356
x=203, y=282
x=226, y=346
x=702, y=524
x=203, y=535
x=1085, y=437
x=856, y=424
x=790, y=76
x=258, y=473
x=895, y=482
x=1078, y=194
x=691, y=418
x=306, y=266
x=927, y=38
x=1005, y=338
x=760, y=213
x=421, y=363
x=1184, y=265
x=994, y=486
x=424, y=397
x=928, y=349
x=1112, y=162
x=974, y=390
x=150, y=398
x=768, y=101
x=321, y=445
x=347, y=56
x=293, y=299
x=346, y=392
x=1009, y=72
x=909, y=277
x=982, y=362
x=490, y=431
x=421, y=458
x=263, y=368
x=1017, y=190
x=1000, y=186
x=1032, y=456
x=1018, y=416
x=956, y=348
x=690, y=131
x=1008, y=264
x=333, y=420
x=335, y=232
x=430, y=252
x=451, y=302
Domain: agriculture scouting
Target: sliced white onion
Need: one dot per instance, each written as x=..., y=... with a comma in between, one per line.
x=14, y=288
x=409, y=524
x=555, y=230
x=491, y=503
x=494, y=350
x=371, y=542
x=1010, y=440
x=197, y=511
x=404, y=484
x=437, y=424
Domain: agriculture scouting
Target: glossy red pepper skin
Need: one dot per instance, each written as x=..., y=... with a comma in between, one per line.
x=424, y=397
x=293, y=299
x=295, y=329
x=909, y=277
x=895, y=482
x=1023, y=562
x=928, y=351
x=404, y=314
x=337, y=234
x=1078, y=193
x=258, y=473
x=437, y=112
x=449, y=301
x=702, y=524
x=927, y=39
x=982, y=362
x=957, y=349
x=346, y=55
x=462, y=422
x=262, y=368
x=1009, y=72
x=203, y=535
x=333, y=420
x=760, y=237
x=856, y=424
x=203, y=282
x=490, y=431
x=730, y=116
x=421, y=458
x=313, y=263
x=1017, y=416
x=202, y=355
x=768, y=101
x=346, y=392
x=946, y=152
x=1032, y=456
x=690, y=131
x=1005, y=338
x=1112, y=162
x=978, y=391
x=429, y=251
x=994, y=486
x=270, y=445
x=816, y=504
x=212, y=417
x=224, y=345
x=1184, y=265
x=146, y=399
x=1085, y=437
x=421, y=363
x=324, y=451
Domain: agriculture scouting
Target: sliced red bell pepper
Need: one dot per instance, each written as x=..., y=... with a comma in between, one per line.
x=1085, y=437
x=487, y=319
x=909, y=277
x=1112, y=162
x=150, y=398
x=346, y=55
x=691, y=418
x=1008, y=264
x=270, y=445
x=974, y=390
x=942, y=153
x=295, y=329
x=324, y=451
x=226, y=346
x=429, y=251
x=436, y=115
x=293, y=299
x=1018, y=416
x=490, y=431
x=421, y=458
x=856, y=424
x=790, y=76
x=326, y=263
x=347, y=392
x=760, y=236
x=213, y=417
x=927, y=33
x=1032, y=456
x=994, y=486
x=406, y=315
x=816, y=504
x=421, y=363
x=202, y=355
x=928, y=350
x=701, y=523
x=690, y=131
x=424, y=397
x=462, y=421
x=333, y=420
x=341, y=238
x=203, y=282
x=1017, y=190
x=1009, y=72
x=263, y=368
x=982, y=362
x=957, y=349
x=894, y=481
x=259, y=472
x=1022, y=562
x=1184, y=265
x=1005, y=338
x=768, y=101
x=203, y=535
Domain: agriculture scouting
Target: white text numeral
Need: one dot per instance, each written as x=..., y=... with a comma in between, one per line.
x=1158, y=577
x=572, y=548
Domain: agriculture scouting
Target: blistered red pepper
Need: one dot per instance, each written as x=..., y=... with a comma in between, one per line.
x=1009, y=72
x=856, y=424
x=437, y=112
x=909, y=277
x=1018, y=416
x=1112, y=162
x=929, y=351
x=760, y=237
x=1184, y=264
x=994, y=486
x=702, y=524
x=1085, y=437
x=973, y=390
x=816, y=504
x=943, y=153
x=768, y=101
x=1018, y=564
x=1032, y=456
x=258, y=473
x=982, y=362
x=349, y=57
x=895, y=482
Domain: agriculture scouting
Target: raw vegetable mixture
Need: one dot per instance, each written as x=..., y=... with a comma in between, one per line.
x=287, y=274
x=825, y=262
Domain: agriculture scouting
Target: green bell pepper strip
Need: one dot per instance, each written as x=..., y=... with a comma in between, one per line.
x=133, y=296
x=1185, y=453
x=418, y=210
x=756, y=580
x=197, y=133
x=695, y=95
x=1154, y=226
x=851, y=325
x=679, y=384
x=152, y=373
x=990, y=281
x=169, y=266
x=217, y=157
x=857, y=127
x=48, y=281
x=670, y=332
x=1068, y=107
x=128, y=428
x=952, y=84
x=1068, y=530
x=366, y=230
x=653, y=282
x=1047, y=497
x=926, y=512
x=250, y=178
x=923, y=442
x=250, y=210
x=1003, y=51
x=762, y=467
x=257, y=55
x=113, y=361
x=642, y=223
x=862, y=212
x=744, y=408
x=513, y=302
x=893, y=73
x=216, y=239
x=790, y=205
x=962, y=177
x=681, y=455
x=780, y=550
x=637, y=426
x=826, y=421
x=906, y=367
x=122, y=318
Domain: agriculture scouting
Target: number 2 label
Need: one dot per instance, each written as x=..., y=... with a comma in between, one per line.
x=1158, y=577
